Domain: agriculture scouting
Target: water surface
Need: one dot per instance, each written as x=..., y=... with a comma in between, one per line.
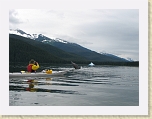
x=88, y=86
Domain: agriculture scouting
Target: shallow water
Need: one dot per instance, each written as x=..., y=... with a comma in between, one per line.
x=88, y=86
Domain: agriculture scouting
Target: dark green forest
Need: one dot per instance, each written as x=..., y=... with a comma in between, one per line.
x=21, y=50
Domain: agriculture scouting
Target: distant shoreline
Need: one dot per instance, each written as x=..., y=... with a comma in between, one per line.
x=134, y=63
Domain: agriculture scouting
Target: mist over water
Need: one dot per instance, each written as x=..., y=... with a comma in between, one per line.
x=88, y=86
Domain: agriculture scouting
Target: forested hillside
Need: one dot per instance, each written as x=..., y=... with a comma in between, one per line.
x=84, y=52
x=20, y=51
x=23, y=49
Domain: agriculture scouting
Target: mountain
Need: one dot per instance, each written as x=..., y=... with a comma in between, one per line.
x=22, y=33
x=129, y=59
x=68, y=47
x=21, y=49
x=111, y=55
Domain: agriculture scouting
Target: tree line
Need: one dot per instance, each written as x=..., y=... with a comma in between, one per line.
x=21, y=51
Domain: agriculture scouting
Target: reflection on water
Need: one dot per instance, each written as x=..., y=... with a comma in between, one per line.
x=32, y=82
x=89, y=86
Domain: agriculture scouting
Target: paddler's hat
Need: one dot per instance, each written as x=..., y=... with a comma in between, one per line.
x=31, y=61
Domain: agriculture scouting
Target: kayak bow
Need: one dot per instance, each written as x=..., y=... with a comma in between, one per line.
x=37, y=74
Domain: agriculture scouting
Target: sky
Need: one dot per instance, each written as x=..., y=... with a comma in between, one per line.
x=114, y=31
x=101, y=28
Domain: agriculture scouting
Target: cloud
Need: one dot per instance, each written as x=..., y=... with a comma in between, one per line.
x=97, y=29
x=110, y=27
x=119, y=29
x=14, y=18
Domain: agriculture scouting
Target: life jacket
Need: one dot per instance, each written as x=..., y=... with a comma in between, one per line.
x=29, y=68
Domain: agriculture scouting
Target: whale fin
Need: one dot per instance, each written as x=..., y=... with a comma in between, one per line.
x=75, y=65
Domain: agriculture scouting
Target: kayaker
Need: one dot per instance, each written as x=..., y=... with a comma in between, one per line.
x=32, y=66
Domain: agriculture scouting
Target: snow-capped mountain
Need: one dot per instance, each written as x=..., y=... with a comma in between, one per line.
x=129, y=59
x=112, y=55
x=72, y=48
x=38, y=37
x=61, y=40
x=22, y=33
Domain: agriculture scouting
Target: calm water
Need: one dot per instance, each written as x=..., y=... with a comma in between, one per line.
x=89, y=86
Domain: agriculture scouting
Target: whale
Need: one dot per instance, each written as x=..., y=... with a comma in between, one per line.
x=75, y=65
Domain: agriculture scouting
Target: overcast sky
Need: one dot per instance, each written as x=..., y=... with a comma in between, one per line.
x=101, y=30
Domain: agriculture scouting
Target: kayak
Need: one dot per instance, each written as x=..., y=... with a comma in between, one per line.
x=37, y=74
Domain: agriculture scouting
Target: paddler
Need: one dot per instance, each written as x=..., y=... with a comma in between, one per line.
x=32, y=66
